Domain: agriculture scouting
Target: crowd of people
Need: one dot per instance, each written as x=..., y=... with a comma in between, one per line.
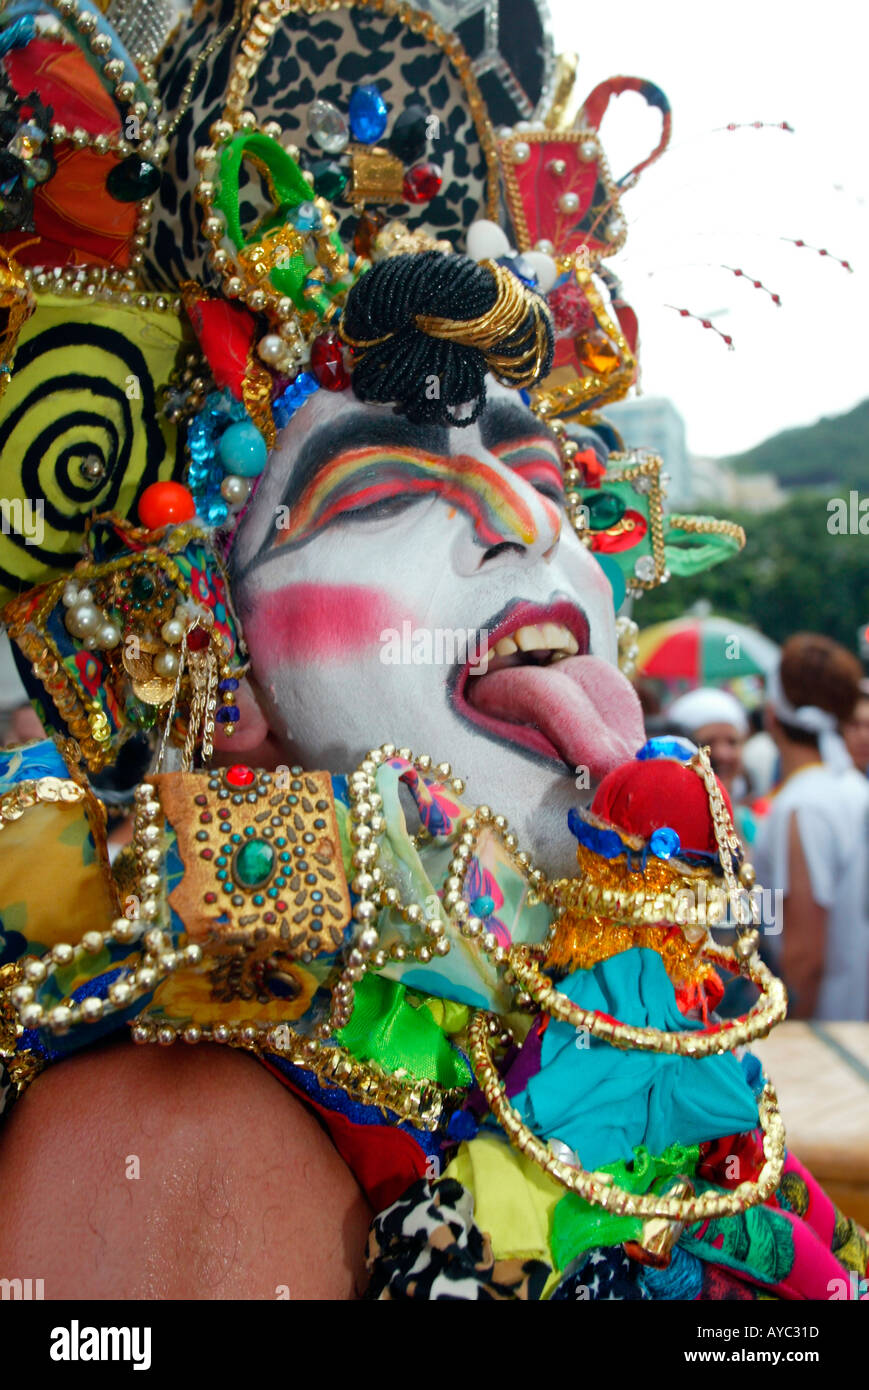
x=796, y=770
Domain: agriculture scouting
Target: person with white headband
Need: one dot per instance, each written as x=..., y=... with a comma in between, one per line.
x=715, y=718
x=813, y=847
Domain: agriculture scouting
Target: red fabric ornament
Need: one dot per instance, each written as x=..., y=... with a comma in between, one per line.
x=225, y=332
x=166, y=504
x=77, y=221
x=717, y=1157
x=643, y=796
x=384, y=1160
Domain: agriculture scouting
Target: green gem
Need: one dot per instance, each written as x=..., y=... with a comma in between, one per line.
x=330, y=179
x=605, y=509
x=132, y=180
x=254, y=863
x=143, y=587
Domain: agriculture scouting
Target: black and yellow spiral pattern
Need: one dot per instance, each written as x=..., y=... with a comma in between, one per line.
x=85, y=386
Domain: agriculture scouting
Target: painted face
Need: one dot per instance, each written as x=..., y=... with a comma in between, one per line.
x=422, y=586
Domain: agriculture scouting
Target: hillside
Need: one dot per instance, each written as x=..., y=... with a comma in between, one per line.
x=834, y=452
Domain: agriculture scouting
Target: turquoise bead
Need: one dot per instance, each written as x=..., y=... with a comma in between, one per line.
x=243, y=450
x=483, y=906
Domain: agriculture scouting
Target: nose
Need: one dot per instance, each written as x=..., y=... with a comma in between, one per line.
x=508, y=520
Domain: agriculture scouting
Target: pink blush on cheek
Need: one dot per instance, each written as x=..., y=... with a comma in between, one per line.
x=319, y=622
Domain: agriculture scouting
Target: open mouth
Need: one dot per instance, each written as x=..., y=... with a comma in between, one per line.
x=537, y=686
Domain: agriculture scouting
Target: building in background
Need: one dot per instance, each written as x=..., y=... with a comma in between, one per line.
x=713, y=482
x=654, y=423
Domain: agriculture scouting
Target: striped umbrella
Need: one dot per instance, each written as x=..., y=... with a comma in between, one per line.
x=697, y=651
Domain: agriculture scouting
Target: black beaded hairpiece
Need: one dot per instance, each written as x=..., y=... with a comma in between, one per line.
x=426, y=327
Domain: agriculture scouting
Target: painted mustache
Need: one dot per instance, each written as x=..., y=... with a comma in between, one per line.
x=361, y=479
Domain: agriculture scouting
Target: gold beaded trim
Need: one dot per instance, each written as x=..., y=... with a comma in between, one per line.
x=101, y=284
x=767, y=1011
x=599, y=1188
x=707, y=526
x=153, y=129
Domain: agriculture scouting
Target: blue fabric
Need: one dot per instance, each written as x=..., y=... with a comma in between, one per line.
x=603, y=1101
x=35, y=761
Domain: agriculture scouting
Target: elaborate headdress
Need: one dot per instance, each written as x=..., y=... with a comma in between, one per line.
x=196, y=236
x=193, y=247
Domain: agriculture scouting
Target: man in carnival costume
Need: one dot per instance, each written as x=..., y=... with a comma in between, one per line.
x=304, y=335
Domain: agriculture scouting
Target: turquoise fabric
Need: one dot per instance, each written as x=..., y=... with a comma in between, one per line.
x=603, y=1101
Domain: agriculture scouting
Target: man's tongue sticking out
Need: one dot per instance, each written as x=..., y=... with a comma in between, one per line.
x=581, y=710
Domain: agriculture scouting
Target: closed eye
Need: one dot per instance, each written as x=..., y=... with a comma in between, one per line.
x=381, y=510
x=538, y=462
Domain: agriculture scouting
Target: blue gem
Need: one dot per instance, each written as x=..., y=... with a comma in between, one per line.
x=229, y=684
x=664, y=843
x=229, y=714
x=483, y=906
x=305, y=217
x=682, y=749
x=521, y=269
x=368, y=114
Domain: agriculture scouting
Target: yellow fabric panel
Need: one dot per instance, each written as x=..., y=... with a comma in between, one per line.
x=52, y=884
x=513, y=1198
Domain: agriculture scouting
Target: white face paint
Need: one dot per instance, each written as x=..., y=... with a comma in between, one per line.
x=358, y=612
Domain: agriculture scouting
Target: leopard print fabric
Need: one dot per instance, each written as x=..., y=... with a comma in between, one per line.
x=311, y=56
x=426, y=1246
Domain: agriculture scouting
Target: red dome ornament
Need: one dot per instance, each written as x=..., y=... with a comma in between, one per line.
x=166, y=504
x=644, y=796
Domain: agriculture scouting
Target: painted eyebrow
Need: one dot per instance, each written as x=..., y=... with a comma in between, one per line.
x=503, y=422
x=358, y=431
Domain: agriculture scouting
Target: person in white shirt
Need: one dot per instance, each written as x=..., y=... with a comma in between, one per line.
x=813, y=847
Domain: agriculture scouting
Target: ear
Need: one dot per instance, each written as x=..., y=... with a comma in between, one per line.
x=252, y=736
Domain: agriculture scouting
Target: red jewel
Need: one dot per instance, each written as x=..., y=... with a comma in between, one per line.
x=207, y=854
x=327, y=362
x=211, y=897
x=421, y=183
x=166, y=504
x=239, y=776
x=282, y=907
x=198, y=639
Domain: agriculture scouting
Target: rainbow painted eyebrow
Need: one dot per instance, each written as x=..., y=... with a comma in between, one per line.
x=537, y=459
x=362, y=477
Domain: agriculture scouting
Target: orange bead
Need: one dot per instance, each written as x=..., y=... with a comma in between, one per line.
x=166, y=504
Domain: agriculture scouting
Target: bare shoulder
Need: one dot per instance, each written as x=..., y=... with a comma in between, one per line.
x=139, y=1172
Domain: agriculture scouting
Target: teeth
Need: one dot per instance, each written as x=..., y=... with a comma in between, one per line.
x=529, y=639
x=554, y=636
x=551, y=637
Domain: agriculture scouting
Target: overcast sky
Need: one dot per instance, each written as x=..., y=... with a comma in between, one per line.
x=729, y=198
